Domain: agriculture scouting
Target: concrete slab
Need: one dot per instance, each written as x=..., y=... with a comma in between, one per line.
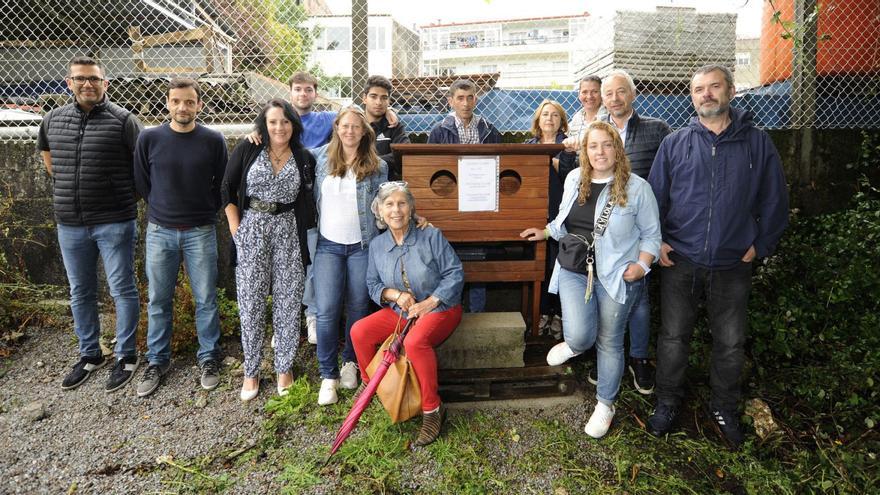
x=485, y=340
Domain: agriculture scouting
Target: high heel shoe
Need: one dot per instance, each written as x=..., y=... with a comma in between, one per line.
x=247, y=395
x=282, y=391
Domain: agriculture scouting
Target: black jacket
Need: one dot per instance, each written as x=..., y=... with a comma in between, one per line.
x=92, y=155
x=643, y=137
x=234, y=191
x=385, y=137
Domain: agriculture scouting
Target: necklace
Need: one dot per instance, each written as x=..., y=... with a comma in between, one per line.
x=280, y=159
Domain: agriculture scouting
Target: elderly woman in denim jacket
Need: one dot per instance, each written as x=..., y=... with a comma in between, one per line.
x=412, y=273
x=623, y=256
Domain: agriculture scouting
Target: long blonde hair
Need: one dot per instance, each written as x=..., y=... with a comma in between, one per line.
x=621, y=165
x=366, y=162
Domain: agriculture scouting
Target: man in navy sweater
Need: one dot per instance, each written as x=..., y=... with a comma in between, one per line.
x=178, y=169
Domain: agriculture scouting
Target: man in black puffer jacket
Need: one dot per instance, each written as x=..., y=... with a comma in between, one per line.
x=87, y=147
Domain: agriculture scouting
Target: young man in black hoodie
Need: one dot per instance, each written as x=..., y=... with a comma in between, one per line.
x=376, y=98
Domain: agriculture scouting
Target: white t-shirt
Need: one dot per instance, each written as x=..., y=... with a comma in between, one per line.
x=339, y=211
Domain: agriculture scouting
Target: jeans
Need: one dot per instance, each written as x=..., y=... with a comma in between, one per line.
x=309, y=291
x=600, y=321
x=427, y=332
x=476, y=297
x=726, y=294
x=340, y=273
x=640, y=325
x=80, y=247
x=198, y=249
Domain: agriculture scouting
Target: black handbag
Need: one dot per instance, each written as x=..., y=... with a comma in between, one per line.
x=577, y=253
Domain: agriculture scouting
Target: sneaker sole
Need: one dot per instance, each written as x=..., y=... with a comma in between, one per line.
x=209, y=387
x=137, y=365
x=639, y=388
x=86, y=377
x=590, y=379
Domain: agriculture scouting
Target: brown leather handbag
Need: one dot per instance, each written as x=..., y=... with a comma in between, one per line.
x=399, y=389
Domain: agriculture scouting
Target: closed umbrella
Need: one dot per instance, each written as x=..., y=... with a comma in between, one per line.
x=366, y=396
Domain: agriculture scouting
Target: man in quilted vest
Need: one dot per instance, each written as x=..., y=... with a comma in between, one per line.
x=87, y=147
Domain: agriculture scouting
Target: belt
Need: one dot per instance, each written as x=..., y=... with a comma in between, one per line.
x=269, y=207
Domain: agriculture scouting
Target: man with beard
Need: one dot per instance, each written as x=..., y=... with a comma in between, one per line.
x=179, y=169
x=723, y=203
x=87, y=148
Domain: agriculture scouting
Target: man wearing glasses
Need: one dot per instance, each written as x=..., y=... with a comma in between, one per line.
x=87, y=147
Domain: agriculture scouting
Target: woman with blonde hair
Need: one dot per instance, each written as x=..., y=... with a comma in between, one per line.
x=348, y=175
x=550, y=126
x=609, y=231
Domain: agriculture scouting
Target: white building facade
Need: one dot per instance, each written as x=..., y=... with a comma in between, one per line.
x=539, y=52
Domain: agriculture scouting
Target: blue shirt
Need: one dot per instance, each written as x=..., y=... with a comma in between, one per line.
x=631, y=229
x=432, y=267
x=366, y=191
x=317, y=127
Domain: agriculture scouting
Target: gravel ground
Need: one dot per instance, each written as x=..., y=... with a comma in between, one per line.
x=110, y=443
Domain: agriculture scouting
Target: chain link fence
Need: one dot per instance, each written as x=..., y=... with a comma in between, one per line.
x=814, y=64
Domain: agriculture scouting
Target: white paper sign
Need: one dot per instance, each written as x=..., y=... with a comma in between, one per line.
x=478, y=183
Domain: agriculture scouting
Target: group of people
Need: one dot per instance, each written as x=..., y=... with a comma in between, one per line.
x=320, y=219
x=704, y=201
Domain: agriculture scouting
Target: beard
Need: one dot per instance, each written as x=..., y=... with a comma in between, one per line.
x=719, y=110
x=183, y=119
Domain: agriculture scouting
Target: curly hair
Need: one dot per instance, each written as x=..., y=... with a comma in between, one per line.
x=621, y=164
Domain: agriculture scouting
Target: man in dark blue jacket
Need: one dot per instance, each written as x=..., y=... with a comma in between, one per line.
x=463, y=126
x=723, y=202
x=87, y=148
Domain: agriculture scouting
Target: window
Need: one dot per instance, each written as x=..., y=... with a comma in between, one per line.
x=376, y=37
x=334, y=38
x=743, y=59
x=488, y=68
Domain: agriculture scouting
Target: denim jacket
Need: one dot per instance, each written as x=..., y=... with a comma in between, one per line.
x=432, y=267
x=366, y=191
x=631, y=229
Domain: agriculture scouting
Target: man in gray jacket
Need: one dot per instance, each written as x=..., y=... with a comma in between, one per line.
x=87, y=147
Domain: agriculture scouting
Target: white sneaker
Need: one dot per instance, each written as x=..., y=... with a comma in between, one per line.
x=600, y=421
x=327, y=394
x=312, y=328
x=348, y=376
x=272, y=342
x=560, y=353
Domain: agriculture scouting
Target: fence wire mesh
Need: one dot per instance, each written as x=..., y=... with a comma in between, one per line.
x=814, y=64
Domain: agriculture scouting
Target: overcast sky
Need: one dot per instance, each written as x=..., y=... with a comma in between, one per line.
x=421, y=12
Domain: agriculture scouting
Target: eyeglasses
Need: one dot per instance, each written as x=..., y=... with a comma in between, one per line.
x=80, y=80
x=393, y=183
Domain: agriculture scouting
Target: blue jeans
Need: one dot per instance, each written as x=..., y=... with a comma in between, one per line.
x=600, y=321
x=309, y=291
x=640, y=325
x=340, y=273
x=476, y=297
x=198, y=249
x=80, y=247
x=726, y=295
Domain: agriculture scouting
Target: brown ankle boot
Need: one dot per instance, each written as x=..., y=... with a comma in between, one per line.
x=431, y=425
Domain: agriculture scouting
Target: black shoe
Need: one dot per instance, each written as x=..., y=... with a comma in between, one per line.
x=122, y=373
x=728, y=423
x=81, y=371
x=593, y=375
x=643, y=375
x=660, y=423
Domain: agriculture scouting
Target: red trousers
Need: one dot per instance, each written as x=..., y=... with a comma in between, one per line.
x=428, y=332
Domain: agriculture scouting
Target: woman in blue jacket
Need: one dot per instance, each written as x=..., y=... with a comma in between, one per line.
x=348, y=175
x=596, y=301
